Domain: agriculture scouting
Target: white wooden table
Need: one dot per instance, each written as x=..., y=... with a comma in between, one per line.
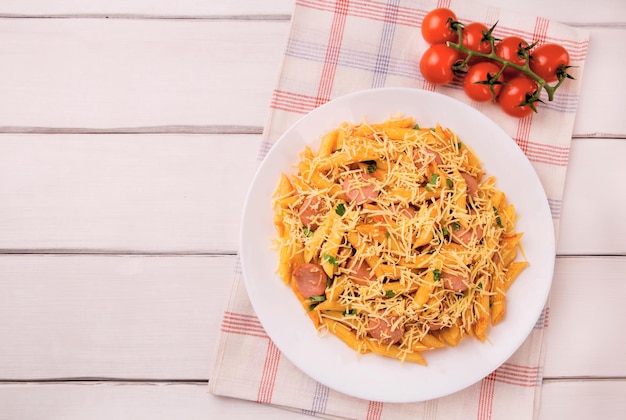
x=128, y=137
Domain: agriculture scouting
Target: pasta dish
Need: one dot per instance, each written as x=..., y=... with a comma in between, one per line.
x=395, y=240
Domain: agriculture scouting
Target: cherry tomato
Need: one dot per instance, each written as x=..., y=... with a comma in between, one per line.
x=436, y=26
x=436, y=64
x=548, y=61
x=478, y=73
x=509, y=49
x=513, y=93
x=472, y=38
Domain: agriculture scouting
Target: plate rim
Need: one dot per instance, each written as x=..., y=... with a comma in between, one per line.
x=369, y=94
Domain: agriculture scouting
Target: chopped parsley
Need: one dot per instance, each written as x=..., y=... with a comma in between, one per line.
x=349, y=312
x=312, y=306
x=390, y=293
x=317, y=298
x=330, y=259
x=449, y=183
x=307, y=231
x=371, y=166
x=498, y=220
x=456, y=226
x=340, y=209
x=433, y=182
x=417, y=127
x=436, y=274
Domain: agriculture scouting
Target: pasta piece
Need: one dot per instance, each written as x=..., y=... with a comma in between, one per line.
x=329, y=141
x=346, y=335
x=312, y=246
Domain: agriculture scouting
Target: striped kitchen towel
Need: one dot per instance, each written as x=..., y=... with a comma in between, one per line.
x=341, y=46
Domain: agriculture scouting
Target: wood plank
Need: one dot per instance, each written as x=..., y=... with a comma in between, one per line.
x=593, y=201
x=584, y=399
x=587, y=399
x=131, y=73
x=136, y=193
x=184, y=193
x=132, y=401
x=156, y=82
x=586, y=318
x=601, y=11
x=157, y=317
x=147, y=8
x=111, y=316
x=597, y=89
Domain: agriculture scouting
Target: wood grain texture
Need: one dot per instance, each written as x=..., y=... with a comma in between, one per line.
x=111, y=316
x=586, y=310
x=127, y=401
x=583, y=399
x=592, y=200
x=124, y=193
x=210, y=72
x=158, y=317
x=164, y=401
x=188, y=9
x=135, y=73
x=597, y=12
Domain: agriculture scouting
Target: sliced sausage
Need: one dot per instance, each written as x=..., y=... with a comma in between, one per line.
x=467, y=236
x=360, y=272
x=408, y=212
x=310, y=279
x=381, y=330
x=472, y=184
x=309, y=210
x=422, y=157
x=435, y=326
x=359, y=188
x=454, y=282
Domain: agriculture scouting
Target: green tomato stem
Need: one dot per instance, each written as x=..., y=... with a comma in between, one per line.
x=525, y=69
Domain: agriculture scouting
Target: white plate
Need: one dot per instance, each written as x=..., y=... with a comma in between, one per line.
x=372, y=377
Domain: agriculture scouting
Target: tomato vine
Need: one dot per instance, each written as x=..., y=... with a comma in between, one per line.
x=546, y=66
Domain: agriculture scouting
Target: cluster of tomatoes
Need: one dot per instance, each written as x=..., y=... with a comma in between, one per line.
x=509, y=71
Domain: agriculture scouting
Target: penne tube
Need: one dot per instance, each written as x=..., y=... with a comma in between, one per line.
x=346, y=335
x=398, y=133
x=395, y=352
x=425, y=289
x=431, y=342
x=355, y=149
x=328, y=144
x=481, y=308
x=330, y=248
x=330, y=305
x=425, y=235
x=514, y=270
x=312, y=246
x=450, y=335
